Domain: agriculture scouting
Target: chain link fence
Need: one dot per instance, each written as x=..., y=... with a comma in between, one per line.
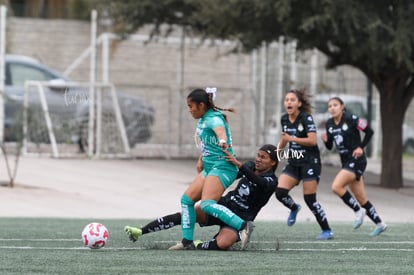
x=165, y=70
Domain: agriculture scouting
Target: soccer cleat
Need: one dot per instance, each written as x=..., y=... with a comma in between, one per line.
x=245, y=234
x=359, y=218
x=133, y=232
x=381, y=227
x=181, y=246
x=292, y=216
x=326, y=235
x=198, y=244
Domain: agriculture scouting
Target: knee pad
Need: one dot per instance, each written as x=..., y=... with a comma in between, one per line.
x=281, y=193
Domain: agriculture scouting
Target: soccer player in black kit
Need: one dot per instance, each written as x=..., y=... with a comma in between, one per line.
x=256, y=185
x=304, y=164
x=344, y=129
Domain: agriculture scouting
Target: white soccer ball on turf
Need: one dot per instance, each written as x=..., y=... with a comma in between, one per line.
x=95, y=235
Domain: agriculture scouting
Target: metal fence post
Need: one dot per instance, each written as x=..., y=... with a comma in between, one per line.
x=3, y=14
x=92, y=79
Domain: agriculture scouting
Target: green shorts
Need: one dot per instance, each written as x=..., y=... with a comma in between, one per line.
x=225, y=171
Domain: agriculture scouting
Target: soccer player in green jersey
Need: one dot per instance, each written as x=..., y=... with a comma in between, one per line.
x=215, y=172
x=256, y=185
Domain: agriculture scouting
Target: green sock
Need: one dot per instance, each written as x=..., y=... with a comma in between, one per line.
x=188, y=218
x=221, y=212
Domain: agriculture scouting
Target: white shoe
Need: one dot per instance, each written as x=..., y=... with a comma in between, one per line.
x=181, y=246
x=245, y=235
x=359, y=217
x=381, y=227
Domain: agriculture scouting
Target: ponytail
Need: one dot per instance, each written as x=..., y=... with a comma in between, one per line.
x=207, y=97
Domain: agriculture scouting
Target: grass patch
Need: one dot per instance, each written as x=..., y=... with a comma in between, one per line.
x=54, y=246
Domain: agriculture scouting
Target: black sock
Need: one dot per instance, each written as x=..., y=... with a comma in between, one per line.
x=349, y=200
x=243, y=225
x=317, y=210
x=371, y=212
x=162, y=223
x=187, y=242
x=283, y=196
x=209, y=245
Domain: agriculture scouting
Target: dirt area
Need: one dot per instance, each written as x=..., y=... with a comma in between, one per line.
x=84, y=188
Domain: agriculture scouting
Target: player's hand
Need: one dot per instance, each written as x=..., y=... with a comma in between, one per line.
x=357, y=152
x=232, y=159
x=285, y=138
x=223, y=144
x=324, y=137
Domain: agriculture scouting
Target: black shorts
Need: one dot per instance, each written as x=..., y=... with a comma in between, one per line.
x=307, y=172
x=211, y=220
x=356, y=166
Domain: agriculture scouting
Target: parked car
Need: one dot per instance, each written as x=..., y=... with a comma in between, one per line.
x=357, y=105
x=69, y=106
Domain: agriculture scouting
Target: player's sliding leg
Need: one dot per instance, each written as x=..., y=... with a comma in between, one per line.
x=223, y=240
x=156, y=225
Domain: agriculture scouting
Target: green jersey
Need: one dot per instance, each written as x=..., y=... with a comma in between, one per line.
x=210, y=150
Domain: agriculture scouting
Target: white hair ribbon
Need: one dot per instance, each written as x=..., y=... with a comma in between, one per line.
x=212, y=91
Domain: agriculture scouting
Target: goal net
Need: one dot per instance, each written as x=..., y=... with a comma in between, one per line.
x=70, y=118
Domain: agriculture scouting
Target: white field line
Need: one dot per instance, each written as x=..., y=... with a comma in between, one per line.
x=336, y=242
x=266, y=249
x=40, y=240
x=69, y=248
x=356, y=244
x=257, y=242
x=348, y=249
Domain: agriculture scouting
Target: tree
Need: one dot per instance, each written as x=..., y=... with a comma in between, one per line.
x=374, y=36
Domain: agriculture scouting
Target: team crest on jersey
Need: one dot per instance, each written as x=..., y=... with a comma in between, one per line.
x=338, y=140
x=300, y=127
x=345, y=127
x=244, y=190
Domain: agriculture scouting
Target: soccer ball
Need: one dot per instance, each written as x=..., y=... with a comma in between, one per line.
x=95, y=235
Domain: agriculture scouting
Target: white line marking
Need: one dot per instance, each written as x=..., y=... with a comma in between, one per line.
x=70, y=248
x=336, y=242
x=323, y=243
x=348, y=249
x=257, y=242
x=40, y=240
x=266, y=249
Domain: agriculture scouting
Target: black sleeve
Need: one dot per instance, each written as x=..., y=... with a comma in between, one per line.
x=307, y=120
x=368, y=135
x=329, y=142
x=251, y=176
